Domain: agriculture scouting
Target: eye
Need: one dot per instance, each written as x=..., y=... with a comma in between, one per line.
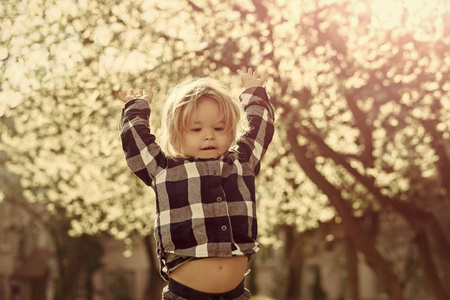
x=196, y=129
x=219, y=129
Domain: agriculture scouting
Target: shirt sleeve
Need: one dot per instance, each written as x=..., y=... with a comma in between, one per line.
x=260, y=114
x=143, y=155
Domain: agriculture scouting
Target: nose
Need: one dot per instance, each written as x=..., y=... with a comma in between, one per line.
x=209, y=135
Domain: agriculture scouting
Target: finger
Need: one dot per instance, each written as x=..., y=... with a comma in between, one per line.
x=132, y=92
x=250, y=71
x=122, y=96
x=150, y=95
x=264, y=76
x=244, y=70
x=141, y=92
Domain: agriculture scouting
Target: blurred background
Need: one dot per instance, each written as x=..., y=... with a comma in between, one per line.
x=354, y=192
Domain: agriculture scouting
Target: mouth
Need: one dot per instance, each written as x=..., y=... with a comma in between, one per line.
x=209, y=148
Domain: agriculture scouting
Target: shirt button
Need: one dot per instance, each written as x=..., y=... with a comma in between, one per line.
x=224, y=228
x=219, y=199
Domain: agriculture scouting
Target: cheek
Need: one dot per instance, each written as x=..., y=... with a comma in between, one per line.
x=178, y=147
x=190, y=139
x=227, y=140
x=182, y=142
x=231, y=136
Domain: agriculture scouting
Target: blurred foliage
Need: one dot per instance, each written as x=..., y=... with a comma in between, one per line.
x=361, y=91
x=364, y=87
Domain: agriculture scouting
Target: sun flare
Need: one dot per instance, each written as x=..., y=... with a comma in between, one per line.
x=391, y=13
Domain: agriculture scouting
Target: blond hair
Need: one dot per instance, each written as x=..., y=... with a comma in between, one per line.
x=182, y=101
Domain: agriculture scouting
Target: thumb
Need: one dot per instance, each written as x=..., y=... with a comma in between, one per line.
x=264, y=76
x=149, y=95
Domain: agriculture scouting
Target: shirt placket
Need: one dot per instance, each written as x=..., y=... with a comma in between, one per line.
x=220, y=205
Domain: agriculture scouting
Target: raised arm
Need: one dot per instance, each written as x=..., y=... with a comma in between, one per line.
x=260, y=114
x=143, y=155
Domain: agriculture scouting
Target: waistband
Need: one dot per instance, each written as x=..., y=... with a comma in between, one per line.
x=189, y=293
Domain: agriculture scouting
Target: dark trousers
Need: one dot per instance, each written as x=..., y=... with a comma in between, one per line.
x=177, y=291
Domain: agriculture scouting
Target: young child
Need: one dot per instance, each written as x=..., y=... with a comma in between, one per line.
x=203, y=174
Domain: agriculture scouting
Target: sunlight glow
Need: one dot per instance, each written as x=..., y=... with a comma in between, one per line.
x=391, y=13
x=10, y=99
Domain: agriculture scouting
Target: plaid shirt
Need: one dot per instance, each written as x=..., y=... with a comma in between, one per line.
x=204, y=207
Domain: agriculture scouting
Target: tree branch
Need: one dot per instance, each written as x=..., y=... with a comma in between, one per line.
x=361, y=240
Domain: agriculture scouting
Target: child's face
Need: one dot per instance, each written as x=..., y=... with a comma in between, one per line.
x=207, y=136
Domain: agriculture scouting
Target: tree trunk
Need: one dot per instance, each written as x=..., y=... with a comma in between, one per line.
x=439, y=244
x=294, y=263
x=71, y=274
x=409, y=212
x=352, y=268
x=361, y=240
x=89, y=287
x=155, y=282
x=425, y=257
x=439, y=238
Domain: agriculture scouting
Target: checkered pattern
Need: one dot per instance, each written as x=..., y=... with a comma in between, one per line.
x=205, y=207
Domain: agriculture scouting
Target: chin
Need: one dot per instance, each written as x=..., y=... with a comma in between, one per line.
x=210, y=154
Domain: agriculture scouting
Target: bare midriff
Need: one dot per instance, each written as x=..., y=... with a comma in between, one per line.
x=212, y=275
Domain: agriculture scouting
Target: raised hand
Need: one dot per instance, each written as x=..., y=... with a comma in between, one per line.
x=249, y=78
x=125, y=97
